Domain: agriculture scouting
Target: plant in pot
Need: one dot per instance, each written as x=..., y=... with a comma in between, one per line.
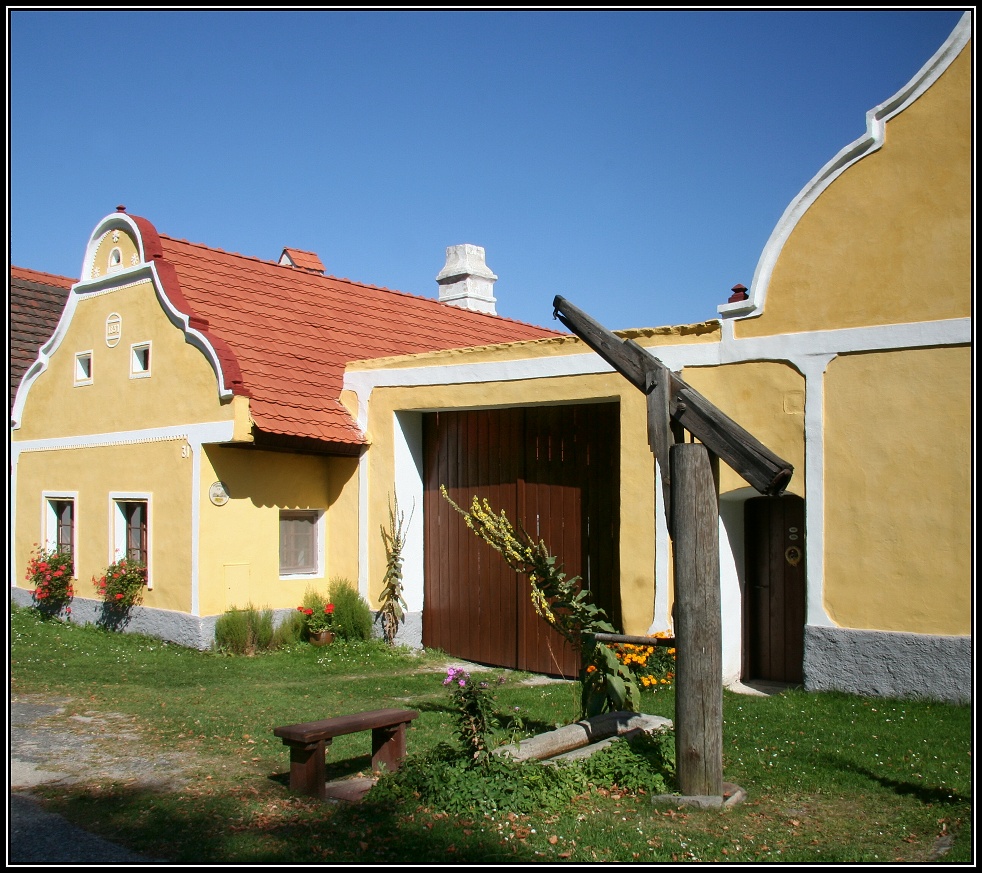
x=318, y=623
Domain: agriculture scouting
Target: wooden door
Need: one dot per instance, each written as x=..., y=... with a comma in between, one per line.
x=774, y=592
x=554, y=470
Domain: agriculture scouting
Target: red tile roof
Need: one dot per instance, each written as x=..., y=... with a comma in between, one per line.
x=304, y=260
x=288, y=334
x=36, y=301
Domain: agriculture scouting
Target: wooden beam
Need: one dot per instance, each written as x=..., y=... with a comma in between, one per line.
x=698, y=624
x=686, y=407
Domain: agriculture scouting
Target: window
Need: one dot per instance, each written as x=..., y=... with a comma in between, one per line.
x=135, y=529
x=64, y=512
x=59, y=524
x=131, y=529
x=139, y=360
x=115, y=261
x=299, y=542
x=83, y=368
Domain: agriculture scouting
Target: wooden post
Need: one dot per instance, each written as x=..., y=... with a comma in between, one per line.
x=698, y=631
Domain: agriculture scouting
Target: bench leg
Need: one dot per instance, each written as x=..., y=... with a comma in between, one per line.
x=307, y=768
x=388, y=748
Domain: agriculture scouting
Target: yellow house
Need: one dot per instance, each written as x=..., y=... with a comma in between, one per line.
x=258, y=419
x=186, y=413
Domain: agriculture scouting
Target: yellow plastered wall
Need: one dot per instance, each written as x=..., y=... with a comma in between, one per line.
x=158, y=469
x=104, y=261
x=239, y=541
x=890, y=240
x=768, y=400
x=898, y=462
x=182, y=387
x=637, y=498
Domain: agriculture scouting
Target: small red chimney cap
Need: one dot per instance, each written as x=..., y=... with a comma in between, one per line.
x=739, y=293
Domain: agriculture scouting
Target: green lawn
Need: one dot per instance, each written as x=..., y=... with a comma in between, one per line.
x=829, y=777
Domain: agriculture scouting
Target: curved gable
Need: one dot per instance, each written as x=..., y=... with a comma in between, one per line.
x=882, y=234
x=123, y=251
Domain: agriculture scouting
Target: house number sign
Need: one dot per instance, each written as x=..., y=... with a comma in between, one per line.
x=218, y=494
x=114, y=329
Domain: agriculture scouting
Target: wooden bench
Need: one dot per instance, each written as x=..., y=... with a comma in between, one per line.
x=308, y=742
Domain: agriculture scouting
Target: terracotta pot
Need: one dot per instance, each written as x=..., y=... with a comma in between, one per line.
x=323, y=638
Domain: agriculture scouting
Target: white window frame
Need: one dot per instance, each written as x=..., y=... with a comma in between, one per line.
x=117, y=526
x=49, y=519
x=81, y=378
x=319, y=545
x=111, y=266
x=137, y=369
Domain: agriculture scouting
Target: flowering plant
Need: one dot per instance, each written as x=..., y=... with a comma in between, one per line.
x=123, y=583
x=653, y=666
x=316, y=621
x=473, y=701
x=51, y=573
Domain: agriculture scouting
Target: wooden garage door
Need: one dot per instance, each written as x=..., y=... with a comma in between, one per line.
x=554, y=470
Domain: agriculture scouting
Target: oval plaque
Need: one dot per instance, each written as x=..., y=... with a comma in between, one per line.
x=217, y=494
x=114, y=329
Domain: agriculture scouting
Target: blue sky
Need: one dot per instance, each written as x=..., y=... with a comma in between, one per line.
x=633, y=161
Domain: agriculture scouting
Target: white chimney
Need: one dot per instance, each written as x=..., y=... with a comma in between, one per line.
x=466, y=281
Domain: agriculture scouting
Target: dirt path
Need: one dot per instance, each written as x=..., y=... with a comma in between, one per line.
x=49, y=745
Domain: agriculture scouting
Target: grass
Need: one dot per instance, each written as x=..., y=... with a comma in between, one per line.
x=830, y=777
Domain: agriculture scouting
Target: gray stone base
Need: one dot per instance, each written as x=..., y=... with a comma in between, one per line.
x=411, y=631
x=731, y=796
x=888, y=664
x=196, y=632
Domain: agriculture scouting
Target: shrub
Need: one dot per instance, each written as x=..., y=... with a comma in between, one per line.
x=245, y=631
x=121, y=587
x=52, y=574
x=352, y=615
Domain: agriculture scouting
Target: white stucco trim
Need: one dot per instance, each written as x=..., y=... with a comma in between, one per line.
x=363, y=459
x=871, y=141
x=408, y=451
x=813, y=369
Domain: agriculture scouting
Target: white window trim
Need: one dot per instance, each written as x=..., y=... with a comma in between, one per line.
x=114, y=267
x=49, y=521
x=136, y=373
x=320, y=529
x=117, y=527
x=85, y=380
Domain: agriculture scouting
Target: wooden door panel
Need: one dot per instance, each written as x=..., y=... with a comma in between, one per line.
x=540, y=466
x=774, y=599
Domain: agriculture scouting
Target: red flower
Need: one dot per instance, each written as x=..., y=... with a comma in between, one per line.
x=329, y=608
x=119, y=596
